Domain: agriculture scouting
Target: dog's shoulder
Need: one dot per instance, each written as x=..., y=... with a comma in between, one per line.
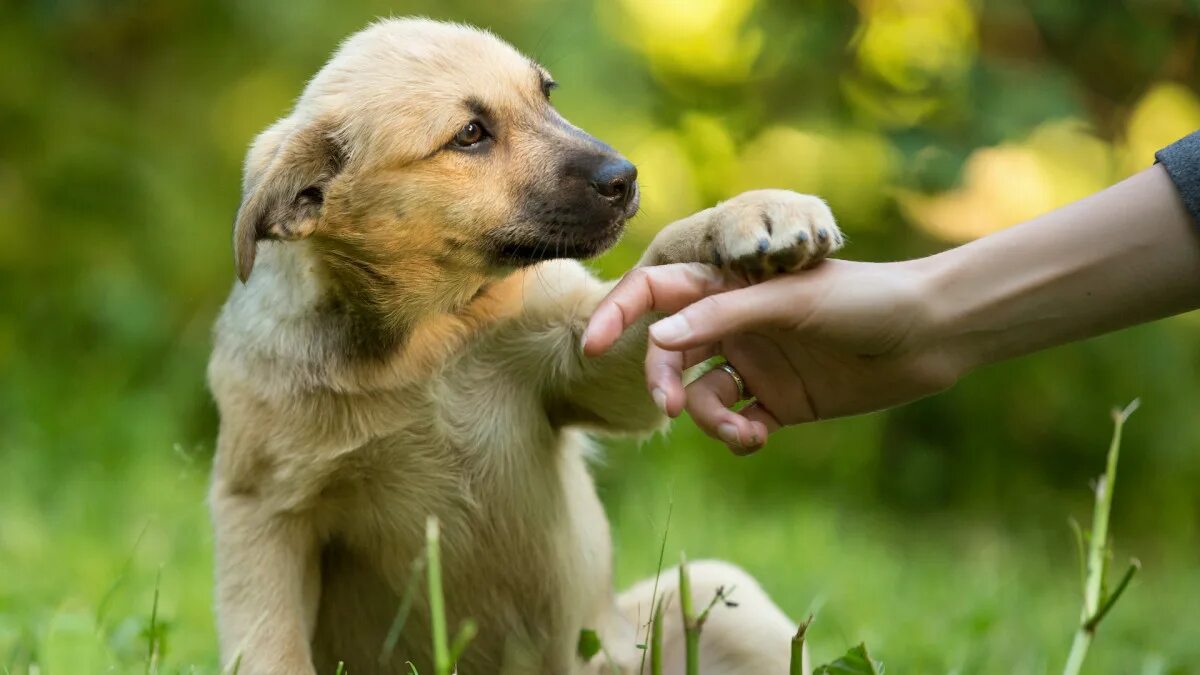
x=279, y=365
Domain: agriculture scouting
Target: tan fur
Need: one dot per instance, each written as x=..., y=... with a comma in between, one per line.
x=379, y=366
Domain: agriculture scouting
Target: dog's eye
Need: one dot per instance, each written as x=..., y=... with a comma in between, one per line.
x=470, y=135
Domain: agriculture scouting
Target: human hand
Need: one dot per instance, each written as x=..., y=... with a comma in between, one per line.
x=840, y=339
x=847, y=337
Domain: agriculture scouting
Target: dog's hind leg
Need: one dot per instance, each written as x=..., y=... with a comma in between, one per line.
x=748, y=636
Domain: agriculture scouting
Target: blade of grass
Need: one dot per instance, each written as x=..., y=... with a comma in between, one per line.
x=1081, y=551
x=406, y=602
x=437, y=607
x=466, y=633
x=693, y=623
x=152, y=636
x=1094, y=599
x=796, y=664
x=656, y=639
x=721, y=596
x=102, y=606
x=691, y=629
x=662, y=552
x=1092, y=623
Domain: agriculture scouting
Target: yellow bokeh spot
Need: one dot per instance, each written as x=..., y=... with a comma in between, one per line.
x=892, y=108
x=712, y=151
x=666, y=180
x=910, y=54
x=916, y=44
x=703, y=39
x=846, y=168
x=1058, y=163
x=1167, y=112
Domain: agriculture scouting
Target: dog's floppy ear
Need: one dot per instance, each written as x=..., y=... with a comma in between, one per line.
x=288, y=169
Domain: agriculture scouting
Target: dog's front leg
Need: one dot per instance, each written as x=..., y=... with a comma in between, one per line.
x=268, y=585
x=542, y=344
x=608, y=392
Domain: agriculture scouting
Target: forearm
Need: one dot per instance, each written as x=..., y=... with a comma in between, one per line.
x=1124, y=256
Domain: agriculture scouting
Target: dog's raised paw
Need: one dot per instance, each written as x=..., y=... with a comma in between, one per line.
x=766, y=232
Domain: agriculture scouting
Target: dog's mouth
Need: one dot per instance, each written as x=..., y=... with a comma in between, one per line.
x=555, y=243
x=560, y=237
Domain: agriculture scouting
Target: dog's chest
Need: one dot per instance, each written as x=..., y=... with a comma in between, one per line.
x=525, y=540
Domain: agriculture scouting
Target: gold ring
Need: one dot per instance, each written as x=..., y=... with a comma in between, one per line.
x=737, y=379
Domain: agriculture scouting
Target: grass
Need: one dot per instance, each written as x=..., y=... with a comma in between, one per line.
x=1097, y=599
x=693, y=621
x=83, y=552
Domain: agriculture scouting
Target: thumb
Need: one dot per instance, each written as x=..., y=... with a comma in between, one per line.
x=716, y=316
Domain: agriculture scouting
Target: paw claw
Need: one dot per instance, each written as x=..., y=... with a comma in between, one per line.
x=785, y=260
x=749, y=265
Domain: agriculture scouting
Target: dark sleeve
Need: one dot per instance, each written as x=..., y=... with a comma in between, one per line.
x=1182, y=161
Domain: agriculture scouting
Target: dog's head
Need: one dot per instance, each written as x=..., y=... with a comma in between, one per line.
x=426, y=149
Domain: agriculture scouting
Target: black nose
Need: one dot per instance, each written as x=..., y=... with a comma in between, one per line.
x=614, y=180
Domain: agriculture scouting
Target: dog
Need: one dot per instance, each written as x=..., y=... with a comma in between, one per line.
x=404, y=341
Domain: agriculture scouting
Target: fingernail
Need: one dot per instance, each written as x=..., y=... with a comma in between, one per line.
x=757, y=441
x=660, y=399
x=729, y=434
x=670, y=329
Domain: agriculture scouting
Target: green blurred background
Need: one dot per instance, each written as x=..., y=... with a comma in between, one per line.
x=937, y=533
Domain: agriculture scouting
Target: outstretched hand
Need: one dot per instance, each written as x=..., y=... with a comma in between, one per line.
x=840, y=339
x=850, y=337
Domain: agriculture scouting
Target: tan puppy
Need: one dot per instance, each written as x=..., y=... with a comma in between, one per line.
x=402, y=345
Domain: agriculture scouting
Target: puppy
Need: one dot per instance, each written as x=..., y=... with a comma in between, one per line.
x=404, y=342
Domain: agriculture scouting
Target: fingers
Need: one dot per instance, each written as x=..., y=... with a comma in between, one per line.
x=755, y=412
x=709, y=319
x=708, y=402
x=667, y=288
x=664, y=379
x=664, y=375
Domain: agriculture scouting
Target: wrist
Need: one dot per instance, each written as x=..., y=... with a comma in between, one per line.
x=943, y=334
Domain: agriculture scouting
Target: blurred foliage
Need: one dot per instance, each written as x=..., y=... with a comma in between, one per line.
x=934, y=532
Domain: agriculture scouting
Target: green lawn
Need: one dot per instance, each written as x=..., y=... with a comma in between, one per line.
x=82, y=552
